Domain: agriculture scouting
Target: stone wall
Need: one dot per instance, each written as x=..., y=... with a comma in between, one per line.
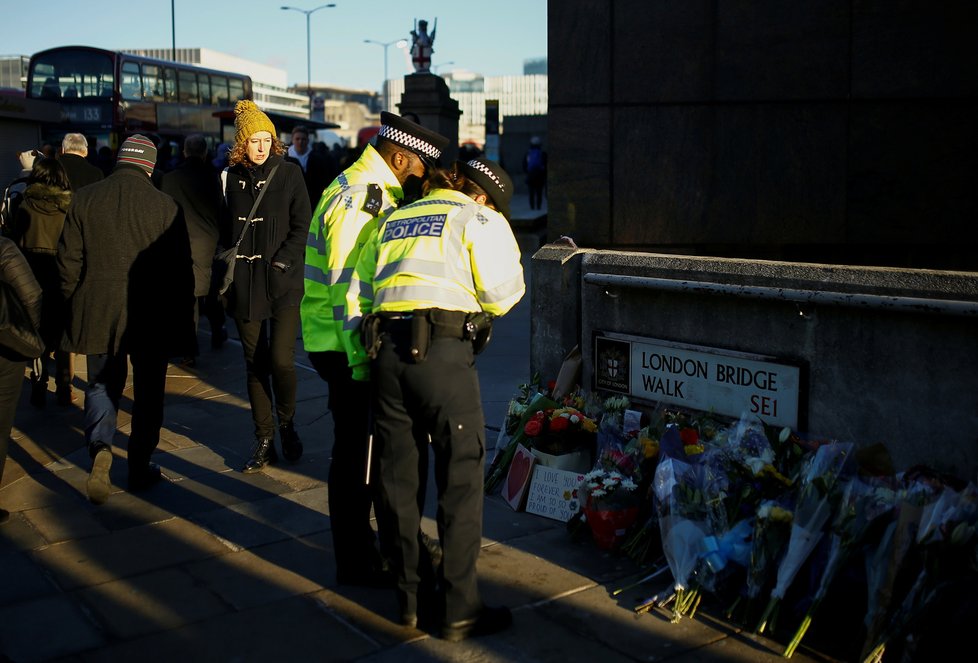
x=839, y=131
x=891, y=359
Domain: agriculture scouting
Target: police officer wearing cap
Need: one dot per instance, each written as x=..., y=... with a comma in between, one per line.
x=425, y=284
x=346, y=215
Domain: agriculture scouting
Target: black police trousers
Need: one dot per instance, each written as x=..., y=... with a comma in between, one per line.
x=350, y=498
x=440, y=397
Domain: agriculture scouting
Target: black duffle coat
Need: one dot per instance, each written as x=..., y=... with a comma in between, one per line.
x=278, y=235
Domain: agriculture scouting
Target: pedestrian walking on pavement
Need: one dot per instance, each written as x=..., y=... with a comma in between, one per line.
x=127, y=277
x=74, y=158
x=424, y=291
x=36, y=229
x=16, y=274
x=196, y=186
x=346, y=215
x=264, y=298
x=535, y=167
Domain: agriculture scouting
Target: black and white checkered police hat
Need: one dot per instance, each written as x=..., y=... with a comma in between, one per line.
x=426, y=143
x=492, y=178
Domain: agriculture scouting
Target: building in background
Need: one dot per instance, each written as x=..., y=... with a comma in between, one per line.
x=524, y=95
x=350, y=108
x=13, y=71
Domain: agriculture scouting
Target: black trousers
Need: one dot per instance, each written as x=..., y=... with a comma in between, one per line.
x=269, y=352
x=441, y=396
x=350, y=497
x=11, y=380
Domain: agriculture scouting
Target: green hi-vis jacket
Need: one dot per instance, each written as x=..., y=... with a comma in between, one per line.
x=444, y=251
x=344, y=218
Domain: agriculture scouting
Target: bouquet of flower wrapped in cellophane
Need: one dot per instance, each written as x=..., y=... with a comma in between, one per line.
x=819, y=491
x=643, y=543
x=682, y=512
x=863, y=504
x=538, y=403
x=946, y=545
x=515, y=410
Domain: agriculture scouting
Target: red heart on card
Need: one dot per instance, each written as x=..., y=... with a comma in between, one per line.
x=519, y=469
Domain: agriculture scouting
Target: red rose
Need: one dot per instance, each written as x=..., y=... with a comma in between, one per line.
x=689, y=436
x=533, y=427
x=559, y=424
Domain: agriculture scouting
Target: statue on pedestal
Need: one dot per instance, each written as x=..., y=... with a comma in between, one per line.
x=421, y=46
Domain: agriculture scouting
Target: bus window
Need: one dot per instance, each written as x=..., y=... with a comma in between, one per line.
x=188, y=87
x=50, y=89
x=54, y=73
x=170, y=84
x=132, y=89
x=237, y=89
x=152, y=83
x=205, y=89
x=219, y=90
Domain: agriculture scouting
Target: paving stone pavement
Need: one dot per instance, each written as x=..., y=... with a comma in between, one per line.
x=215, y=565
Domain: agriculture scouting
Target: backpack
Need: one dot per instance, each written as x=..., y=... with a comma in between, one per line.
x=13, y=195
x=534, y=161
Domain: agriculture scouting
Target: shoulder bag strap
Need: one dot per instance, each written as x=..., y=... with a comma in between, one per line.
x=254, y=208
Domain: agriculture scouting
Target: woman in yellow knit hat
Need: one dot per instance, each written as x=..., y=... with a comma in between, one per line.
x=264, y=297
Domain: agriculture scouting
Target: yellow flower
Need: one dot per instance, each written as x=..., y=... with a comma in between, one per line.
x=650, y=447
x=769, y=470
x=693, y=449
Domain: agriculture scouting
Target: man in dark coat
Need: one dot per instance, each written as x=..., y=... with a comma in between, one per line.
x=126, y=273
x=196, y=186
x=318, y=169
x=74, y=159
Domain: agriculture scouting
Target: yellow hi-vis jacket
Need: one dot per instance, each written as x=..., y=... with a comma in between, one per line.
x=346, y=215
x=444, y=251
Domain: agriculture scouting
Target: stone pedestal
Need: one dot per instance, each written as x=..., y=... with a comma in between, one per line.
x=427, y=96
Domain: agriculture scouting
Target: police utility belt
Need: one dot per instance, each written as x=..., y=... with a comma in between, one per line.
x=422, y=325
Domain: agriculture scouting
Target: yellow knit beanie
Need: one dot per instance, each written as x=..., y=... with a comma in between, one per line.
x=249, y=120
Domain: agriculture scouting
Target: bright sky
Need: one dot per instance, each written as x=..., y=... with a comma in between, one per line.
x=491, y=38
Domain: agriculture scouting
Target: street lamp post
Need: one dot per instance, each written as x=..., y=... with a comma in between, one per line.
x=308, y=13
x=401, y=43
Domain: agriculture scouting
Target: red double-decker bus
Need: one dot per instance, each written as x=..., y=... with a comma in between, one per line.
x=108, y=95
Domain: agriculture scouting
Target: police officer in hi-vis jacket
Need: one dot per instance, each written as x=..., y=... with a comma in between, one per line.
x=346, y=215
x=426, y=284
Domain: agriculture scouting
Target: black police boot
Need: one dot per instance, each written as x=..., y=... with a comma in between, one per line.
x=291, y=446
x=263, y=454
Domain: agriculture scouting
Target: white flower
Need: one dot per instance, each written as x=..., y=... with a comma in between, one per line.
x=628, y=484
x=598, y=492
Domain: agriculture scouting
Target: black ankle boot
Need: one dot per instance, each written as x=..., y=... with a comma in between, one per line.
x=39, y=394
x=263, y=454
x=291, y=446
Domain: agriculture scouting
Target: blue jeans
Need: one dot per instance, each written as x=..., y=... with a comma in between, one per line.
x=107, y=375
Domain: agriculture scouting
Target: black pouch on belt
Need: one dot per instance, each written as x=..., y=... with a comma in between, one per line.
x=420, y=337
x=370, y=334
